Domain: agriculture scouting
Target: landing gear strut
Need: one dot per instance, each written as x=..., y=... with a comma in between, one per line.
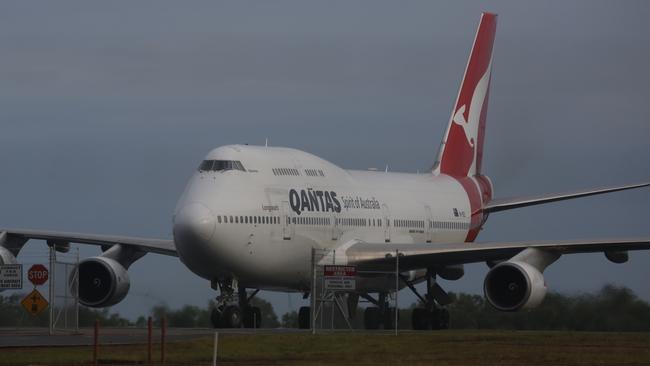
x=433, y=315
x=231, y=312
x=380, y=314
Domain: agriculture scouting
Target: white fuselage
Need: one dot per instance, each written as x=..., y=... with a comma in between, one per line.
x=260, y=222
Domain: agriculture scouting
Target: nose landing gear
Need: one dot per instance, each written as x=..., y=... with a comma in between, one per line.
x=232, y=311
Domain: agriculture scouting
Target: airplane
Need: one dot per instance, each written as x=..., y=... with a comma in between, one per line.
x=251, y=217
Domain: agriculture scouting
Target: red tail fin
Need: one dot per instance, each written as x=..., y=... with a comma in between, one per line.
x=461, y=150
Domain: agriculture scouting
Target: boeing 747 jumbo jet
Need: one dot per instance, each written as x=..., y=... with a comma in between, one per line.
x=251, y=216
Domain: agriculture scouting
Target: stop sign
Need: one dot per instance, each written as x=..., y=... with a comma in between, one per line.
x=38, y=274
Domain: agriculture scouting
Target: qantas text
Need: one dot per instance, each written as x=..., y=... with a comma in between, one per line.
x=313, y=201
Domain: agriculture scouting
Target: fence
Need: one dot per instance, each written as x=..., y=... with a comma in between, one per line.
x=64, y=303
x=337, y=290
x=57, y=307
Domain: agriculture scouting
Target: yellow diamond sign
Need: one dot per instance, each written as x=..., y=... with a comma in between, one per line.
x=34, y=303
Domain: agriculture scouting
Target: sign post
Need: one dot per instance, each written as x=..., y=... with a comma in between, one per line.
x=11, y=277
x=34, y=303
x=38, y=274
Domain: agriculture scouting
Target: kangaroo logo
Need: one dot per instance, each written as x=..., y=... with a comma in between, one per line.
x=470, y=124
x=459, y=119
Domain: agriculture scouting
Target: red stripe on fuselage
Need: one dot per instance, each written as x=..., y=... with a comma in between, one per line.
x=479, y=192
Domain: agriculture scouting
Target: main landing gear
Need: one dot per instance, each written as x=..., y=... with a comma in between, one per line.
x=235, y=313
x=374, y=317
x=433, y=315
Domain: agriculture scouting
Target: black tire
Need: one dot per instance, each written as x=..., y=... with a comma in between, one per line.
x=371, y=318
x=436, y=318
x=389, y=318
x=258, y=317
x=215, y=318
x=231, y=317
x=304, y=317
x=444, y=319
x=420, y=319
x=252, y=317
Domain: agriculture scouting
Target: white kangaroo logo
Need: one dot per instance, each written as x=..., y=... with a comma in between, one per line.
x=470, y=126
x=459, y=119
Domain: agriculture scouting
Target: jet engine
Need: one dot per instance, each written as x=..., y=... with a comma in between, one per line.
x=102, y=282
x=511, y=286
x=6, y=257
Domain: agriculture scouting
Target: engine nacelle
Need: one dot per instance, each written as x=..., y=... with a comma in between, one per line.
x=102, y=282
x=6, y=257
x=514, y=285
x=452, y=272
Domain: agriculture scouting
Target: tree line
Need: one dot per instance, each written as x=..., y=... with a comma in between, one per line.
x=612, y=308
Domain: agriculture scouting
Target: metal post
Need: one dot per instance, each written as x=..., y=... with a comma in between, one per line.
x=313, y=291
x=76, y=295
x=149, y=339
x=96, y=343
x=332, y=302
x=216, y=344
x=163, y=325
x=65, y=300
x=51, y=293
x=396, y=288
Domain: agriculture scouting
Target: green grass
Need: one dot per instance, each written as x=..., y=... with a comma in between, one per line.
x=423, y=348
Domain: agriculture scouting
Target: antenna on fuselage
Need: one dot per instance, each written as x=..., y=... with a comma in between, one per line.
x=266, y=142
x=386, y=168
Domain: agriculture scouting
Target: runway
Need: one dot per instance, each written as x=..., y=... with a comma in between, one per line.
x=39, y=337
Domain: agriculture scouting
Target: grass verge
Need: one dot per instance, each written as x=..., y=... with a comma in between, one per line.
x=409, y=348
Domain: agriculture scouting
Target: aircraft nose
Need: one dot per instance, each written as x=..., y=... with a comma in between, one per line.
x=194, y=222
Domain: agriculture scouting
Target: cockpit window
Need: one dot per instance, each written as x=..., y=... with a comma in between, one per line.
x=220, y=165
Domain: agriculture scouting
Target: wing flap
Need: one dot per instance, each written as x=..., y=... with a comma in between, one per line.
x=417, y=256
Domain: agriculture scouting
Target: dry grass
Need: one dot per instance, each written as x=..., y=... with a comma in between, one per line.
x=410, y=348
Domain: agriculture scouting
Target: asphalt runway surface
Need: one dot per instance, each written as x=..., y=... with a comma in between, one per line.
x=39, y=337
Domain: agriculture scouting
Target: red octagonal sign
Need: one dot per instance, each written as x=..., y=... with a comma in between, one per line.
x=38, y=274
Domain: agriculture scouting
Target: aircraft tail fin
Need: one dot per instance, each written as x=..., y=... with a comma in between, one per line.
x=461, y=150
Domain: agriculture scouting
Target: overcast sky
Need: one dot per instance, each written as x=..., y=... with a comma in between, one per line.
x=106, y=108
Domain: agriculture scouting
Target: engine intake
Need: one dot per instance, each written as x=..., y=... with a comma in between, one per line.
x=512, y=286
x=102, y=282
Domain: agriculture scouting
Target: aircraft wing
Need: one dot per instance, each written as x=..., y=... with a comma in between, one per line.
x=417, y=256
x=516, y=202
x=20, y=236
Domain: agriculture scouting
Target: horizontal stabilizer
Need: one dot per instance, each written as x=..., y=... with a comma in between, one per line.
x=503, y=204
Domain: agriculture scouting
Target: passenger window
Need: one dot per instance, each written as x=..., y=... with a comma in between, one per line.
x=219, y=219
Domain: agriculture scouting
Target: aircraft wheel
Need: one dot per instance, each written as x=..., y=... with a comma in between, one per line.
x=215, y=318
x=389, y=318
x=252, y=317
x=420, y=319
x=436, y=318
x=231, y=317
x=444, y=319
x=304, y=317
x=258, y=317
x=371, y=318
